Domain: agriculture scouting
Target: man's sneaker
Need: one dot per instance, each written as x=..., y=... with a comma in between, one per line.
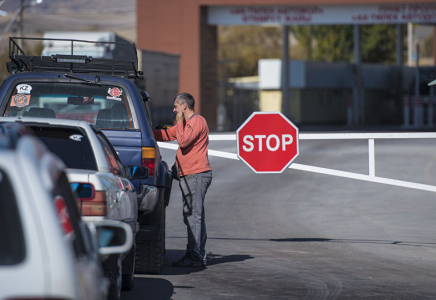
x=203, y=263
x=186, y=262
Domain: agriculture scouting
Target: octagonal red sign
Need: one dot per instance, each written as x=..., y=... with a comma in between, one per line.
x=267, y=142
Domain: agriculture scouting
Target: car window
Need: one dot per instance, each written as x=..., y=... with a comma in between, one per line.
x=115, y=165
x=104, y=106
x=12, y=249
x=70, y=144
x=68, y=214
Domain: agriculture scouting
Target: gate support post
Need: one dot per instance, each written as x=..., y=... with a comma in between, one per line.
x=406, y=114
x=371, y=154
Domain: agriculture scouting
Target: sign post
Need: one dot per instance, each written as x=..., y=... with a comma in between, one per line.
x=267, y=142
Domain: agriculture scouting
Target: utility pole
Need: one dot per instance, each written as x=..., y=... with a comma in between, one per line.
x=417, y=80
x=18, y=15
x=285, y=71
x=400, y=72
x=410, y=44
x=434, y=45
x=358, y=113
x=20, y=24
x=309, y=43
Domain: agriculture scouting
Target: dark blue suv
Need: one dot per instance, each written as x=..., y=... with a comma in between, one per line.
x=104, y=93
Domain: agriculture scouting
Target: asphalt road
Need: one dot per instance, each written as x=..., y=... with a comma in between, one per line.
x=301, y=235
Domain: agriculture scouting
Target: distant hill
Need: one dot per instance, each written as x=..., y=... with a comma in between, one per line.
x=118, y=16
x=70, y=6
x=74, y=15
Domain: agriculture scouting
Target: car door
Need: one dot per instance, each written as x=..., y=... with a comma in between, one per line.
x=21, y=249
x=93, y=284
x=126, y=196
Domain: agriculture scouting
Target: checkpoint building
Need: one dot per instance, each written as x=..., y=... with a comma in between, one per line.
x=187, y=30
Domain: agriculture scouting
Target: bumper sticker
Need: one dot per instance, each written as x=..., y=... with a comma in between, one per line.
x=114, y=93
x=24, y=89
x=76, y=137
x=20, y=100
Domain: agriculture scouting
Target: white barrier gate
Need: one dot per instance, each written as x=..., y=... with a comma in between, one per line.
x=371, y=137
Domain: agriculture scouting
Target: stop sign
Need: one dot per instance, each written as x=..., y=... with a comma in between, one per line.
x=267, y=142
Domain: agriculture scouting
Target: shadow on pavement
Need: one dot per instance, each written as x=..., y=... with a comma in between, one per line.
x=174, y=255
x=212, y=259
x=302, y=240
x=215, y=259
x=316, y=240
x=386, y=242
x=150, y=289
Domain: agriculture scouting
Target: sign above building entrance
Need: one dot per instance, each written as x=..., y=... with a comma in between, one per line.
x=322, y=14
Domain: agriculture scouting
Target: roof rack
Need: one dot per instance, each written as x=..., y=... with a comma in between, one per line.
x=20, y=62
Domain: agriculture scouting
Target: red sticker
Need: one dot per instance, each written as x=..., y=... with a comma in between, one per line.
x=115, y=93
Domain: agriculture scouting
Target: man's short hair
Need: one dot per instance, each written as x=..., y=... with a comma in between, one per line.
x=186, y=98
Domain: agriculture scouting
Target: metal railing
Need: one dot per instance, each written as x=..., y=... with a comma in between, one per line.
x=371, y=137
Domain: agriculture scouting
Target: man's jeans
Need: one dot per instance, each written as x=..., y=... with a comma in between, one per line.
x=194, y=188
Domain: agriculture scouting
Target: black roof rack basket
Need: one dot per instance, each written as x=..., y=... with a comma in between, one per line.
x=20, y=62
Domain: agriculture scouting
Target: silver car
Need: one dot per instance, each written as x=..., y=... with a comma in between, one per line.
x=46, y=251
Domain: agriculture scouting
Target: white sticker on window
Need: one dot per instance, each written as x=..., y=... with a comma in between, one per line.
x=76, y=137
x=24, y=89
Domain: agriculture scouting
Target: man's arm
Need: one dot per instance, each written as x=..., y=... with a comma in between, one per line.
x=188, y=134
x=165, y=135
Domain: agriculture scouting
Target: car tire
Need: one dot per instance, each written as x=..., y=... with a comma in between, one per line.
x=164, y=232
x=113, y=271
x=128, y=279
x=128, y=282
x=150, y=253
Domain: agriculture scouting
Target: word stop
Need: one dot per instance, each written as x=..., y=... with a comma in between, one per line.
x=272, y=142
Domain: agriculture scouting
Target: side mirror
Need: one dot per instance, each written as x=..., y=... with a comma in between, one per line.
x=113, y=237
x=138, y=172
x=145, y=96
x=85, y=191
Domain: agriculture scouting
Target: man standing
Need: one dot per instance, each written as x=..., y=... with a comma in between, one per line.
x=195, y=173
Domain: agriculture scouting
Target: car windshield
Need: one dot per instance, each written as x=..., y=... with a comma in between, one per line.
x=12, y=248
x=104, y=106
x=70, y=144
